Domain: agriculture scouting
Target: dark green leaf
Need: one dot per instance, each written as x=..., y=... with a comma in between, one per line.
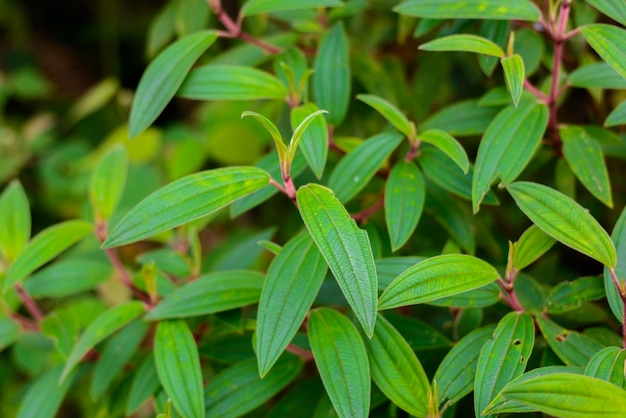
x=345, y=247
x=211, y=293
x=481, y=297
x=168, y=261
x=357, y=168
x=107, y=183
x=184, y=200
x=164, y=76
x=388, y=269
x=573, y=348
x=608, y=41
x=255, y=7
x=9, y=332
x=67, y=277
x=45, y=395
x=503, y=358
x=616, y=10
x=435, y=278
x=44, y=247
x=314, y=142
x=293, y=280
x=532, y=244
x=565, y=220
x=14, y=220
x=598, y=75
x=341, y=359
x=507, y=146
x=331, y=77
x=389, y=112
x=231, y=82
x=567, y=296
x=417, y=334
x=178, y=367
x=404, y=201
x=584, y=156
x=145, y=383
x=465, y=118
x=617, y=116
x=498, y=32
x=100, y=328
x=470, y=9
x=463, y=42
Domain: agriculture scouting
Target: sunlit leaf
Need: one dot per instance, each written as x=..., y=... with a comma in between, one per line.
x=184, y=200
x=466, y=43
x=404, y=202
x=14, y=220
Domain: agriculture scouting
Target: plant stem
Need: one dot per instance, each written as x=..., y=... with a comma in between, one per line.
x=29, y=303
x=622, y=293
x=125, y=278
x=534, y=90
x=25, y=323
x=305, y=355
x=413, y=152
x=367, y=212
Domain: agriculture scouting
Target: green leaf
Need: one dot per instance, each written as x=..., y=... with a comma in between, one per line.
x=573, y=348
x=564, y=220
x=14, y=220
x=503, y=358
x=507, y=146
x=617, y=116
x=481, y=297
x=467, y=43
x=341, y=359
x=396, y=370
x=164, y=76
x=532, y=244
x=616, y=10
x=118, y=351
x=281, y=148
x=608, y=41
x=448, y=145
x=417, y=334
x=44, y=247
x=9, y=332
x=345, y=247
x=452, y=215
x=107, y=183
x=456, y=372
x=331, y=76
x=514, y=75
x=357, y=168
x=389, y=112
x=145, y=383
x=299, y=131
x=608, y=364
x=238, y=389
x=436, y=278
x=465, y=118
x=388, y=268
x=215, y=292
x=67, y=277
x=470, y=9
x=100, y=328
x=184, y=200
x=255, y=7
x=567, y=296
x=178, y=367
x=598, y=75
x=314, y=142
x=584, y=156
x=293, y=280
x=44, y=397
x=405, y=193
x=231, y=82
x=497, y=31
x=612, y=293
x=566, y=395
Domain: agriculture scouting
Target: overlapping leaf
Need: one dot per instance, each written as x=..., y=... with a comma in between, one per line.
x=405, y=192
x=532, y=244
x=573, y=348
x=314, y=142
x=608, y=364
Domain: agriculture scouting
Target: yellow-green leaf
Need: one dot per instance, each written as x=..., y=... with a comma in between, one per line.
x=514, y=75
x=470, y=9
x=467, y=43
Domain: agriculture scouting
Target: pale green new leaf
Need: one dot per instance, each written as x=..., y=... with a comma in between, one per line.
x=608, y=41
x=299, y=131
x=532, y=244
x=215, y=292
x=255, y=7
x=608, y=364
x=585, y=158
x=293, y=280
x=357, y=168
x=564, y=395
x=389, y=112
x=15, y=220
x=345, y=247
x=470, y=9
x=612, y=293
x=44, y=247
x=466, y=43
x=615, y=9
x=231, y=82
x=573, y=348
x=564, y=220
x=281, y=148
x=178, y=366
x=448, y=144
x=331, y=76
x=314, y=142
x=107, y=183
x=164, y=76
x=341, y=359
x=617, y=116
x=100, y=328
x=456, y=372
x=184, y=200
x=436, y=278
x=514, y=75
x=405, y=192
x=396, y=370
x=503, y=358
x=45, y=395
x=507, y=146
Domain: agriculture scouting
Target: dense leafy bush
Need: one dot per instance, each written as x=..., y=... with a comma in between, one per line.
x=325, y=217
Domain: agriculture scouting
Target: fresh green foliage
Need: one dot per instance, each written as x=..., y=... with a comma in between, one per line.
x=292, y=214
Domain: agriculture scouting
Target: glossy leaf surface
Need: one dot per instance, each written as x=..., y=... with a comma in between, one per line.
x=404, y=201
x=184, y=200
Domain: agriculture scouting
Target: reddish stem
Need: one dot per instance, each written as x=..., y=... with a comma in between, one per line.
x=125, y=278
x=29, y=303
x=366, y=213
x=534, y=90
x=305, y=355
x=25, y=323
